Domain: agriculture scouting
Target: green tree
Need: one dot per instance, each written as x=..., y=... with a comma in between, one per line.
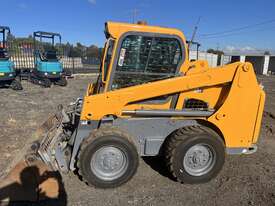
x=93, y=51
x=215, y=51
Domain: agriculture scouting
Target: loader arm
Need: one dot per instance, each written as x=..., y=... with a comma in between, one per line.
x=113, y=102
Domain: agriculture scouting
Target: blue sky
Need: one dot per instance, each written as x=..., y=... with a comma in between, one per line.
x=83, y=20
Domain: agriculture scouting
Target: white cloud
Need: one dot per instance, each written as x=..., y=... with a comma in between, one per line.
x=231, y=48
x=92, y=1
x=248, y=48
x=244, y=50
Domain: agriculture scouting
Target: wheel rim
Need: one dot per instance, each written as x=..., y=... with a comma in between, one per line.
x=199, y=159
x=109, y=163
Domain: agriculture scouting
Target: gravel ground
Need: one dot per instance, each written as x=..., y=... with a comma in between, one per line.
x=244, y=180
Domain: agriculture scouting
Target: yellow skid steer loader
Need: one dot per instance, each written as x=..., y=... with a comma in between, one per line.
x=150, y=100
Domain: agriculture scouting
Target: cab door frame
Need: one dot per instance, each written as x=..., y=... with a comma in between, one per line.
x=116, y=54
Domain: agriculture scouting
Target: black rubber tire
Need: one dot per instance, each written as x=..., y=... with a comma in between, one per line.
x=179, y=143
x=16, y=85
x=106, y=137
x=62, y=82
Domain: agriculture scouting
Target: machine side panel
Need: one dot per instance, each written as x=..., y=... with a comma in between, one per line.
x=149, y=133
x=237, y=117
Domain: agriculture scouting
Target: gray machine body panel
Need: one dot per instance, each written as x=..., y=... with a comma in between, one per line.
x=83, y=131
x=149, y=133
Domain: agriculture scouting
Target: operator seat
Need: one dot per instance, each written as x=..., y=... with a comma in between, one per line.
x=50, y=55
x=3, y=54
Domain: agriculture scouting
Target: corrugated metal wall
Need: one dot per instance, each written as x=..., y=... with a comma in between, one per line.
x=212, y=59
x=258, y=63
x=271, y=65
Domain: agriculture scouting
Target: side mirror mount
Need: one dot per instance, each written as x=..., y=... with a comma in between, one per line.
x=103, y=78
x=107, y=58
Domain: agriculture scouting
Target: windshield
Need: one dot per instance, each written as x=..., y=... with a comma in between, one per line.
x=144, y=59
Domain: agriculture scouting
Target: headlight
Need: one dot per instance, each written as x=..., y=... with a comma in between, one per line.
x=10, y=75
x=46, y=73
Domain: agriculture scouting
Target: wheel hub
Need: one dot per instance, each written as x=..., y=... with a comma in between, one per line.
x=199, y=159
x=109, y=163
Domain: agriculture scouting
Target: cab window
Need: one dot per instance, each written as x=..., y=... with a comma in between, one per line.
x=143, y=59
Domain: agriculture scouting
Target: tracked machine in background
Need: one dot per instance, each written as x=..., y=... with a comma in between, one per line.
x=47, y=66
x=8, y=74
x=151, y=100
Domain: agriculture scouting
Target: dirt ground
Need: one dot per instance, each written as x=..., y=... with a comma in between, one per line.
x=244, y=180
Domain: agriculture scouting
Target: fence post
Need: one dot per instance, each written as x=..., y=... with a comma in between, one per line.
x=73, y=64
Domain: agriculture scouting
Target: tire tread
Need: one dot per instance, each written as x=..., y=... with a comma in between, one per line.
x=98, y=133
x=176, y=138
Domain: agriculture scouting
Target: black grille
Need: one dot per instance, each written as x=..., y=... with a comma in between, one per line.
x=195, y=104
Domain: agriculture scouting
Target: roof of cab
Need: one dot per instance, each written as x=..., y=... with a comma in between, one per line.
x=116, y=29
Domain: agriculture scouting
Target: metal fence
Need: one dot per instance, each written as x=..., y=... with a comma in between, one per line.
x=22, y=54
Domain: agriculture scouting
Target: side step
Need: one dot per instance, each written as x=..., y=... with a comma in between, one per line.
x=241, y=150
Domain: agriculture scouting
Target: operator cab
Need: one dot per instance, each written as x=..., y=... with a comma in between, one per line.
x=135, y=54
x=46, y=51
